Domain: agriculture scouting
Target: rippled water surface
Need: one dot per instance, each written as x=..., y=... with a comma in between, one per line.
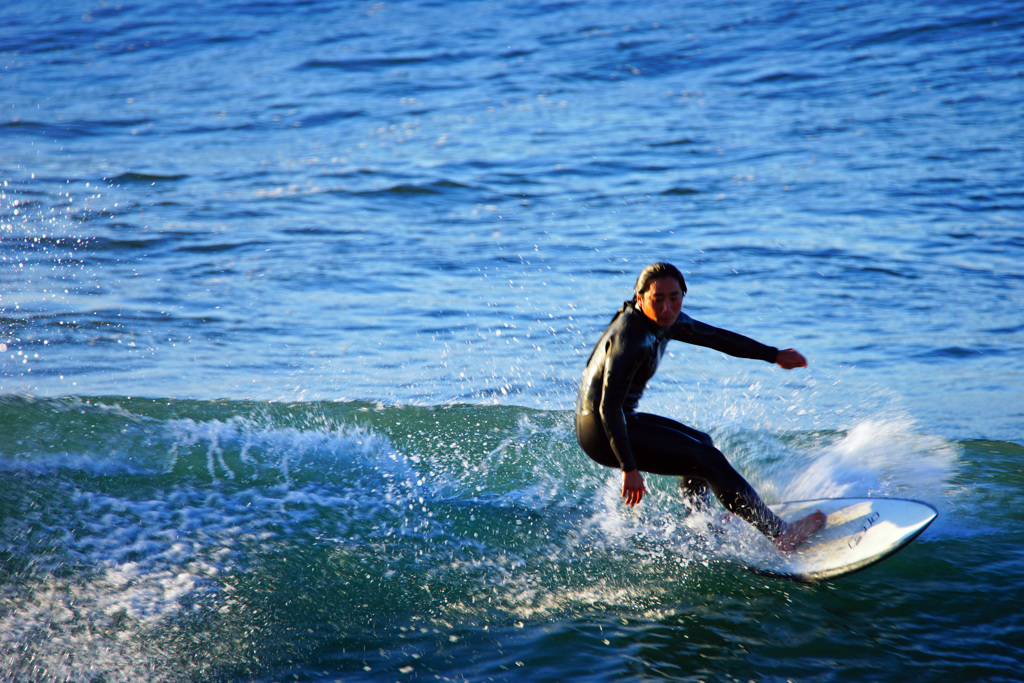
x=294, y=298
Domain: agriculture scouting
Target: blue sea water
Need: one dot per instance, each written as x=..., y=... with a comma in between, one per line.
x=294, y=297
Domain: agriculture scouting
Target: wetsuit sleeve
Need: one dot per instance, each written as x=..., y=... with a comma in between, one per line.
x=620, y=365
x=701, y=334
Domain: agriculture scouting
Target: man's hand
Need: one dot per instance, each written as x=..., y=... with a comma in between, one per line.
x=633, y=487
x=790, y=358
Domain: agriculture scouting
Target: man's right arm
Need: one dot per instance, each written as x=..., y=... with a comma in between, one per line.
x=619, y=368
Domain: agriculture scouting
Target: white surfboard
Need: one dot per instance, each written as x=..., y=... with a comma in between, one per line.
x=858, y=532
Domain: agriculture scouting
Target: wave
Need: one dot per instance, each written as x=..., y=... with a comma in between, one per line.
x=196, y=535
x=134, y=177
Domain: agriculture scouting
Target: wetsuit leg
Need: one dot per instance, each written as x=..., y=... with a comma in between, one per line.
x=664, y=446
x=695, y=490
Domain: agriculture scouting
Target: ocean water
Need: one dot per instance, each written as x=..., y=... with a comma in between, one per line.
x=294, y=298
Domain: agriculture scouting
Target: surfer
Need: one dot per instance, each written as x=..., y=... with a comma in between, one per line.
x=614, y=434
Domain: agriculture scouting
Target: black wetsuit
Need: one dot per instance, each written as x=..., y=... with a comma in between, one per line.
x=611, y=432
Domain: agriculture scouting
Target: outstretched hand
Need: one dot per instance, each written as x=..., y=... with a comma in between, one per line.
x=790, y=358
x=633, y=487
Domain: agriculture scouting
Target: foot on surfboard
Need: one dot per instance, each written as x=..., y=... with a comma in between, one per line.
x=795, y=533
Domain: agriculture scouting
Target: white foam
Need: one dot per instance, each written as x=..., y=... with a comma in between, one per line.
x=877, y=458
x=103, y=594
x=289, y=452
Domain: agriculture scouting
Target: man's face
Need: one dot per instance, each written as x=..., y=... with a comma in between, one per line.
x=662, y=301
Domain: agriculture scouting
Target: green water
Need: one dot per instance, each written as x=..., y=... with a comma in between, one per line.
x=197, y=540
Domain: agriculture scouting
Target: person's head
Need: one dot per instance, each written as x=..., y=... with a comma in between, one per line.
x=659, y=293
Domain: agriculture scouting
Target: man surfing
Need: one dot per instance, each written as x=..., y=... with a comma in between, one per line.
x=614, y=434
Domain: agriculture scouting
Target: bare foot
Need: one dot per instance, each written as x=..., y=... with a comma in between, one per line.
x=799, y=531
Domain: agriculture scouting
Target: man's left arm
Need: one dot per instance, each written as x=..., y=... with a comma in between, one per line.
x=691, y=331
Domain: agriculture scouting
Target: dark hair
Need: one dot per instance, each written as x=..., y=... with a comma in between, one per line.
x=657, y=271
